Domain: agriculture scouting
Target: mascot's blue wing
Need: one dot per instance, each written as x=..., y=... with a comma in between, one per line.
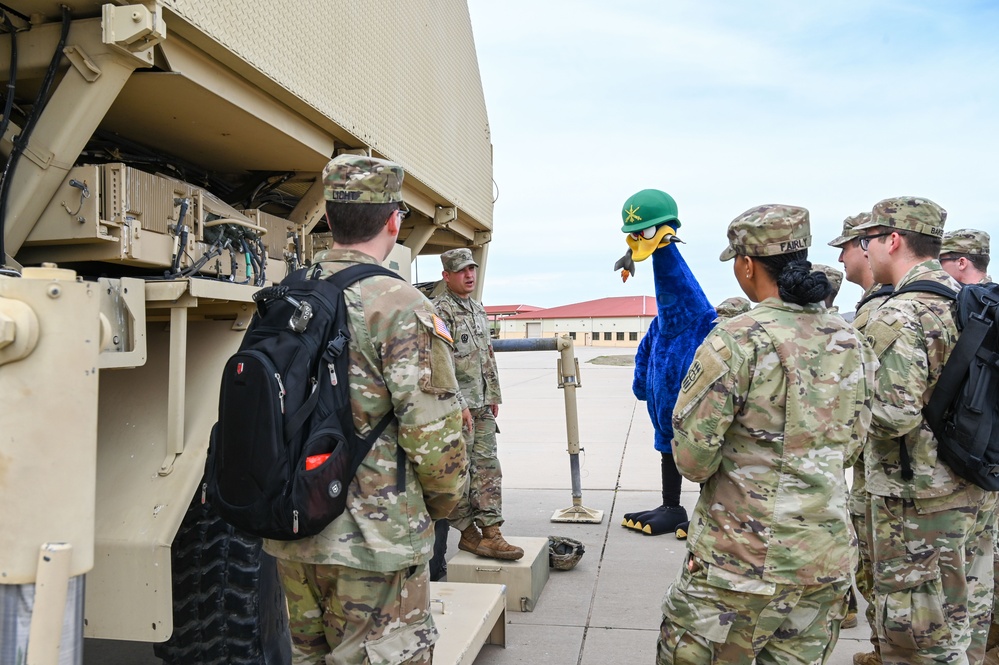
x=638, y=385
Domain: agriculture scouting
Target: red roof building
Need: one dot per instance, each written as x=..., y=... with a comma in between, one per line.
x=620, y=321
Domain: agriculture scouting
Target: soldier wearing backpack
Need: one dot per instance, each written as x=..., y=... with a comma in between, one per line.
x=964, y=254
x=930, y=529
x=358, y=591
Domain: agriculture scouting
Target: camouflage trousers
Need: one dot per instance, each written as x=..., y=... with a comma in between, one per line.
x=482, y=502
x=761, y=622
x=344, y=616
x=933, y=576
x=864, y=575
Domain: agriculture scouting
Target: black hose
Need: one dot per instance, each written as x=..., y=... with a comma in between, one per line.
x=21, y=140
x=8, y=106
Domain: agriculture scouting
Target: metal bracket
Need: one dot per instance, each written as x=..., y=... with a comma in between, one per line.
x=78, y=58
x=133, y=29
x=444, y=216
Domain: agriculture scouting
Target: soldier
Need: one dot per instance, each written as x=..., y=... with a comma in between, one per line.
x=964, y=254
x=930, y=530
x=835, y=278
x=858, y=271
x=773, y=410
x=358, y=592
x=475, y=366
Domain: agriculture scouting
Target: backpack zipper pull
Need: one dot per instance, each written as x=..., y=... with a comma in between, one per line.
x=294, y=521
x=281, y=390
x=204, y=493
x=332, y=373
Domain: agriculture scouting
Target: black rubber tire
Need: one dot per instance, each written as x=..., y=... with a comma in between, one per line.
x=228, y=605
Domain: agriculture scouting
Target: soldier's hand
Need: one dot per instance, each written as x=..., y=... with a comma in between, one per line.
x=495, y=410
x=466, y=419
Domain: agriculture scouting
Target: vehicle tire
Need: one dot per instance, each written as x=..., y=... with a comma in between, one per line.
x=228, y=605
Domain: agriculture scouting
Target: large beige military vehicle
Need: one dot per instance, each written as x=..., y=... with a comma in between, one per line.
x=160, y=165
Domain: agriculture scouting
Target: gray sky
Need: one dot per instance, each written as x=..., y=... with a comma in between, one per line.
x=725, y=105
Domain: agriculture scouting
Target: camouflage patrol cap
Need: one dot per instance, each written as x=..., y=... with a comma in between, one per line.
x=965, y=241
x=730, y=307
x=850, y=231
x=649, y=207
x=361, y=179
x=768, y=230
x=834, y=276
x=454, y=260
x=908, y=213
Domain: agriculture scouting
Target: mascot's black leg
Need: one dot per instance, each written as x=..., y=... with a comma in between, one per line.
x=438, y=566
x=667, y=517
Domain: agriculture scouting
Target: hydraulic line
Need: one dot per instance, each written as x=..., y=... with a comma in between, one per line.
x=21, y=140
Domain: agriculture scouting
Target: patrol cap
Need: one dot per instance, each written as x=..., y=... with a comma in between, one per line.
x=965, y=241
x=362, y=179
x=834, y=276
x=908, y=213
x=648, y=207
x=730, y=307
x=850, y=231
x=454, y=260
x=768, y=230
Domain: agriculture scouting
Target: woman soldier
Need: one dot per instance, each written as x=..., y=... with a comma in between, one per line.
x=774, y=409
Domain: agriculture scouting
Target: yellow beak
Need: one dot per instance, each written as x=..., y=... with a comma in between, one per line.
x=642, y=248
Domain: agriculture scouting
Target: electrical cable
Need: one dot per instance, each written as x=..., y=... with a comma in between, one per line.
x=7, y=107
x=21, y=140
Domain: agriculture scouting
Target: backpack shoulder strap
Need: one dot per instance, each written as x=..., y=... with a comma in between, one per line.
x=342, y=279
x=357, y=272
x=885, y=290
x=926, y=286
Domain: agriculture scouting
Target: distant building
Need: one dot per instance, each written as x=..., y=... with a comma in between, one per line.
x=620, y=321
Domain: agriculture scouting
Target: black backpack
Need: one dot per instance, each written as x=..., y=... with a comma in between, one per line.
x=284, y=448
x=964, y=409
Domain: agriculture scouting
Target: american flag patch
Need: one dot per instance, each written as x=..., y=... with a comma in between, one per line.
x=441, y=328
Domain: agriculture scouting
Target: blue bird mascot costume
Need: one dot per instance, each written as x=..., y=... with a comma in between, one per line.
x=664, y=355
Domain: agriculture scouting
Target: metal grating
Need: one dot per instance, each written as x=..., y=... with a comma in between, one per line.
x=402, y=77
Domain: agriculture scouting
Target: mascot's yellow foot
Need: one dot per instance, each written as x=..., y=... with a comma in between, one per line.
x=646, y=529
x=628, y=523
x=681, y=534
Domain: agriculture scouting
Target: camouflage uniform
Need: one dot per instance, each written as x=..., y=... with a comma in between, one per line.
x=931, y=535
x=359, y=588
x=478, y=380
x=774, y=408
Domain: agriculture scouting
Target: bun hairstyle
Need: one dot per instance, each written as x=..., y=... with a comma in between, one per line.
x=797, y=283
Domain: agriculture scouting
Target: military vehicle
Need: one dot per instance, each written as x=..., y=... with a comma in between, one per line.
x=161, y=163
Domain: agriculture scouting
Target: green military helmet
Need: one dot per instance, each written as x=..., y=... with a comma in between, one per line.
x=649, y=207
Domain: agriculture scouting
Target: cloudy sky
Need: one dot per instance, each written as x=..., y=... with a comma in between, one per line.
x=725, y=105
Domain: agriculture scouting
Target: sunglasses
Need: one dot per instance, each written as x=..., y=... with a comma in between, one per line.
x=403, y=213
x=865, y=241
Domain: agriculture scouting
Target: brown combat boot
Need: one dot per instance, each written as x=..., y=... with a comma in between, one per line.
x=493, y=545
x=869, y=658
x=470, y=539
